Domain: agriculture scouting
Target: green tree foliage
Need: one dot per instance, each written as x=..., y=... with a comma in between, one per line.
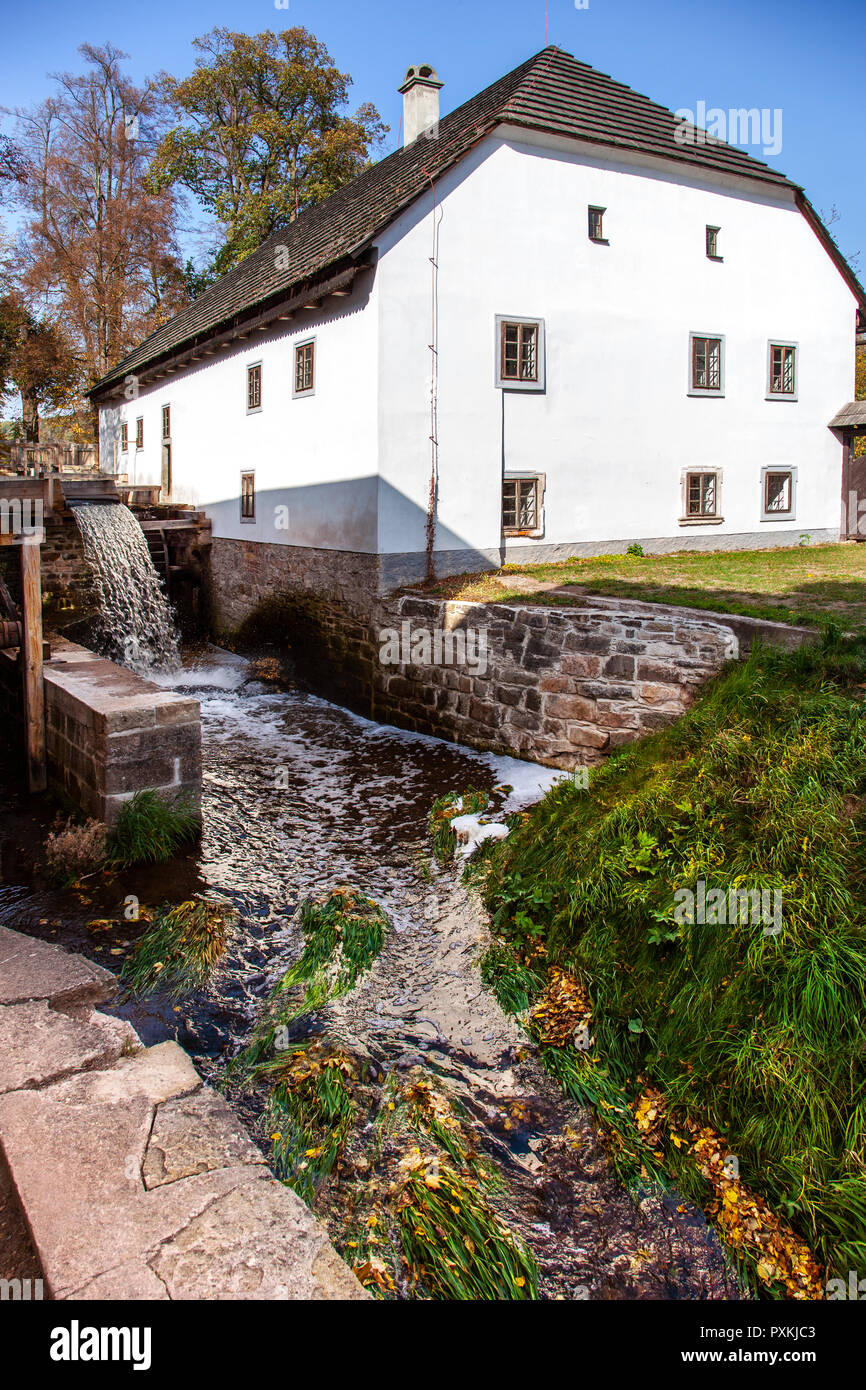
x=259, y=134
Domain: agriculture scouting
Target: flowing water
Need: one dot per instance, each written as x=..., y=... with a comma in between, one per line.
x=135, y=623
x=300, y=796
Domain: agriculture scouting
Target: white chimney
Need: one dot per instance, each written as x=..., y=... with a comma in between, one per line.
x=420, y=103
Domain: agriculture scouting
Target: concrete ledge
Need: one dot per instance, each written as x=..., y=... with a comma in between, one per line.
x=136, y=1180
x=111, y=733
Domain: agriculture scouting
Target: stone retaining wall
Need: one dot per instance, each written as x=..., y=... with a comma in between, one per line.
x=559, y=686
x=111, y=733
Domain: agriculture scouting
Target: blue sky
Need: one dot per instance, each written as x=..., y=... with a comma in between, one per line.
x=801, y=56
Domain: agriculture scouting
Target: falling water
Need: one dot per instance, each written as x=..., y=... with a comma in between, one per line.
x=134, y=624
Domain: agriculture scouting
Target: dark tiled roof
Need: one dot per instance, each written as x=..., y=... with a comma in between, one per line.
x=552, y=92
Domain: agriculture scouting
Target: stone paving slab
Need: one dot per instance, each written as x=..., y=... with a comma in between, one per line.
x=32, y=969
x=124, y=1174
x=39, y=1044
x=137, y=1181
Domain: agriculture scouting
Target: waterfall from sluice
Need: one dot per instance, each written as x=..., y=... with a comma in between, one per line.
x=135, y=623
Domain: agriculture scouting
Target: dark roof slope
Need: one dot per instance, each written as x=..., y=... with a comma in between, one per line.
x=552, y=91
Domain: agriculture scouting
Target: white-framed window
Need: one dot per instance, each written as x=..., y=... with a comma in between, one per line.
x=124, y=437
x=782, y=371
x=778, y=493
x=706, y=364
x=701, y=497
x=519, y=353
x=248, y=496
x=166, y=422
x=139, y=432
x=304, y=380
x=523, y=504
x=254, y=387
x=595, y=224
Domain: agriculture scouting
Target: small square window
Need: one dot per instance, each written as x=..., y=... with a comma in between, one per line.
x=520, y=353
x=166, y=422
x=707, y=373
x=254, y=387
x=521, y=506
x=248, y=497
x=713, y=243
x=305, y=369
x=124, y=437
x=139, y=432
x=778, y=494
x=782, y=377
x=701, y=494
x=595, y=217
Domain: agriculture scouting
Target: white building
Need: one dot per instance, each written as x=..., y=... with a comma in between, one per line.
x=573, y=326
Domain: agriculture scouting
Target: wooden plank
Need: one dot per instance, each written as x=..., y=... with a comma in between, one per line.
x=31, y=661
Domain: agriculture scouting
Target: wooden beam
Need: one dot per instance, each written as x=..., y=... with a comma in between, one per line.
x=31, y=661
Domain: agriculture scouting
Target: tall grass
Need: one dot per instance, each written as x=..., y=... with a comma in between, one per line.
x=151, y=829
x=762, y=1036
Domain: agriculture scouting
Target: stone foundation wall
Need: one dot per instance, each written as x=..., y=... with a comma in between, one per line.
x=563, y=687
x=560, y=686
x=110, y=733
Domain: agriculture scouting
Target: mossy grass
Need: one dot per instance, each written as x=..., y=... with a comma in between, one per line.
x=151, y=829
x=759, y=1033
x=442, y=813
x=178, y=952
x=343, y=934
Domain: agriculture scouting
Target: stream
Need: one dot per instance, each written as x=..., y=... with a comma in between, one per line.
x=301, y=796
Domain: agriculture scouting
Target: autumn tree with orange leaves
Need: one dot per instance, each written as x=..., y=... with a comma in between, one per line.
x=97, y=257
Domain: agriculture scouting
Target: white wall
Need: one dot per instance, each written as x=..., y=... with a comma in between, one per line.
x=615, y=427
x=315, y=455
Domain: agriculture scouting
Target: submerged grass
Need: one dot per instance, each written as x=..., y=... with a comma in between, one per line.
x=343, y=935
x=151, y=829
x=758, y=1032
x=452, y=1238
x=310, y=1112
x=178, y=952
